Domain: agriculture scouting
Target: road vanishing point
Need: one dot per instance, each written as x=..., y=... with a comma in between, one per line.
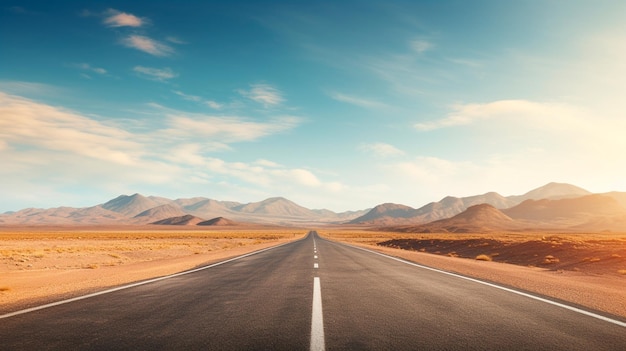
x=311, y=294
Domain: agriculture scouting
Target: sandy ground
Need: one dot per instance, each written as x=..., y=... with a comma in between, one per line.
x=602, y=289
x=37, y=267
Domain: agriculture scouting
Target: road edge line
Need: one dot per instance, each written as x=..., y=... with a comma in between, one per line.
x=521, y=293
x=144, y=282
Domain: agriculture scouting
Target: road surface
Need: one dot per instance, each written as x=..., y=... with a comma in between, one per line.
x=312, y=294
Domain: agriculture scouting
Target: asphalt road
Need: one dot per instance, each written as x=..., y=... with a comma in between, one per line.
x=310, y=294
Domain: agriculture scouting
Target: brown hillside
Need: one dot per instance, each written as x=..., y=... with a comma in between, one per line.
x=219, y=221
x=574, y=209
x=180, y=220
x=477, y=218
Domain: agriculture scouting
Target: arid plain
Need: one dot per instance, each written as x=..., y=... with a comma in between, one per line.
x=47, y=264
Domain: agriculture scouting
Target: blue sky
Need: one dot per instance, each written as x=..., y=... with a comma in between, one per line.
x=333, y=104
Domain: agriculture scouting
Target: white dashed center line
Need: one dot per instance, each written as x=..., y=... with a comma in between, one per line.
x=317, y=319
x=315, y=265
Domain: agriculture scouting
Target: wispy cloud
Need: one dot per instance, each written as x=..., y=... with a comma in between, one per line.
x=148, y=45
x=90, y=68
x=30, y=123
x=264, y=94
x=212, y=104
x=358, y=101
x=115, y=18
x=175, y=40
x=187, y=96
x=420, y=45
x=226, y=129
x=31, y=132
x=158, y=74
x=511, y=109
x=28, y=88
x=381, y=150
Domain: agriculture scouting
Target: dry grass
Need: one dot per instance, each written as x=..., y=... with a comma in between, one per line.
x=484, y=257
x=4, y=288
x=91, y=249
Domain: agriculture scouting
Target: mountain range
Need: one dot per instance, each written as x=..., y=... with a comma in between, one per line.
x=138, y=209
x=552, y=206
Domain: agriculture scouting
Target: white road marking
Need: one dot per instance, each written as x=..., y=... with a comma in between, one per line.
x=315, y=256
x=558, y=304
x=317, y=318
x=62, y=302
x=315, y=265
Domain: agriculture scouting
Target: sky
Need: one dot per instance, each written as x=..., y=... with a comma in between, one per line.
x=341, y=105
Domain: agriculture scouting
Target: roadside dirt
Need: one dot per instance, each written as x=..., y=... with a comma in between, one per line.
x=577, y=277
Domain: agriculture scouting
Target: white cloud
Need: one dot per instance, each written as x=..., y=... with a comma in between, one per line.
x=420, y=45
x=147, y=45
x=381, y=149
x=227, y=129
x=159, y=74
x=542, y=113
x=263, y=94
x=25, y=122
x=88, y=67
x=116, y=18
x=187, y=96
x=368, y=103
x=212, y=104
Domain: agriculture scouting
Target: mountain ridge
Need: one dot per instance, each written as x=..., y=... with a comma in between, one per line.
x=136, y=209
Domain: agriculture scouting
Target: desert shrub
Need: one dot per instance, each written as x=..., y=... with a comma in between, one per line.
x=550, y=260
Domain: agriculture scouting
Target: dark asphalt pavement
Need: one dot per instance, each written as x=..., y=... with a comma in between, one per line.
x=264, y=302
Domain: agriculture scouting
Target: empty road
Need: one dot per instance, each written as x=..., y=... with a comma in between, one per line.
x=305, y=295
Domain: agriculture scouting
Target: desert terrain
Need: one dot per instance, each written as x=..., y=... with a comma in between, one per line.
x=586, y=269
x=39, y=265
x=45, y=264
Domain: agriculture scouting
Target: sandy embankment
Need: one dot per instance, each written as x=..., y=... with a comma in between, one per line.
x=602, y=292
x=45, y=267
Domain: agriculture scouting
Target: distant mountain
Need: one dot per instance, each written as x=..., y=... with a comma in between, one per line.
x=388, y=214
x=131, y=205
x=551, y=191
x=207, y=208
x=276, y=206
x=219, y=221
x=569, y=209
x=385, y=214
x=160, y=212
x=477, y=218
x=180, y=220
x=618, y=196
x=450, y=206
x=64, y=215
